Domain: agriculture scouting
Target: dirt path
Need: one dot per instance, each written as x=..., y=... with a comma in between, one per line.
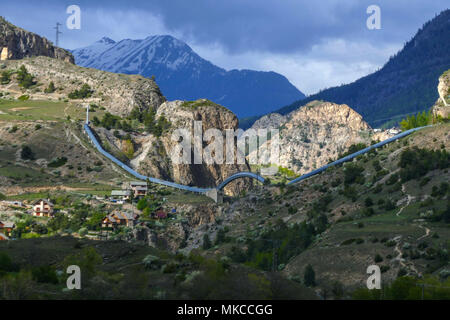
x=398, y=251
x=408, y=200
x=427, y=232
x=401, y=260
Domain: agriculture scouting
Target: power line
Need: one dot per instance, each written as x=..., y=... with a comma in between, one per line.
x=57, y=33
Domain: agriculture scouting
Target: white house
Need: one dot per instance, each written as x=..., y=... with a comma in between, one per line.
x=139, y=188
x=120, y=195
x=43, y=208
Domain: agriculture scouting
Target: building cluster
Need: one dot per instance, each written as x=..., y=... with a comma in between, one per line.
x=134, y=190
x=45, y=208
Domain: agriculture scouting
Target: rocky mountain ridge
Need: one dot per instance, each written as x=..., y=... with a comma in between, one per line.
x=117, y=93
x=17, y=43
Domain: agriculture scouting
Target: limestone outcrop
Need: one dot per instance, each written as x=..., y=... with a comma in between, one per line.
x=318, y=132
x=442, y=105
x=17, y=43
x=156, y=155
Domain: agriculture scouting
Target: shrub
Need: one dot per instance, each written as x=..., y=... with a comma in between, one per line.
x=349, y=192
x=59, y=162
x=424, y=181
x=151, y=261
x=169, y=268
x=389, y=205
x=23, y=97
x=220, y=237
x=5, y=77
x=392, y=179
x=354, y=148
x=309, y=277
x=83, y=93
x=440, y=191
x=44, y=274
x=378, y=258
x=376, y=165
x=206, y=242
x=368, y=202
x=25, y=79
x=51, y=88
x=384, y=269
x=83, y=232
x=6, y=264
x=347, y=242
x=390, y=243
x=353, y=174
x=336, y=183
x=402, y=272
x=27, y=153
x=292, y=210
x=378, y=188
x=416, y=163
x=128, y=148
x=13, y=129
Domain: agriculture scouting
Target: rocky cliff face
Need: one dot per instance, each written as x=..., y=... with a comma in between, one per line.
x=190, y=230
x=16, y=43
x=155, y=156
x=318, y=132
x=272, y=120
x=442, y=105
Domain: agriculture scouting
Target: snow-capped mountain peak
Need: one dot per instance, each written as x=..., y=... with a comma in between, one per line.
x=183, y=74
x=106, y=40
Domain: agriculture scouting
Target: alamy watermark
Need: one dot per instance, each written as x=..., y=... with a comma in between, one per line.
x=74, y=280
x=261, y=147
x=374, y=281
x=74, y=19
x=373, y=22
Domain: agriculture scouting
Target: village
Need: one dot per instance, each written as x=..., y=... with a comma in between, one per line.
x=125, y=210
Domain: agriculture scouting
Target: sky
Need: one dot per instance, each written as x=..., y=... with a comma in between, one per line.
x=315, y=44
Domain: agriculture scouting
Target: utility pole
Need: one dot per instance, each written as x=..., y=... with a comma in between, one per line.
x=57, y=33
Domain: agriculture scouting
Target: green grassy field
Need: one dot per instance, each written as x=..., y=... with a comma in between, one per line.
x=188, y=198
x=41, y=110
x=19, y=172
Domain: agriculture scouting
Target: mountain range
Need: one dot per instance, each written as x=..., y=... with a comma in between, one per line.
x=183, y=75
x=406, y=84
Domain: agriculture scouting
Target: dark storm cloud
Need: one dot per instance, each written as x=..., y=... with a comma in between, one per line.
x=263, y=25
x=315, y=43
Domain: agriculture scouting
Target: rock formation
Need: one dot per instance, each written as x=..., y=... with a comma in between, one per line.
x=155, y=157
x=317, y=132
x=16, y=43
x=442, y=105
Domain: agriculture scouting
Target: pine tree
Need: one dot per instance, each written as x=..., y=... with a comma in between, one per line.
x=206, y=242
x=51, y=88
x=310, y=276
